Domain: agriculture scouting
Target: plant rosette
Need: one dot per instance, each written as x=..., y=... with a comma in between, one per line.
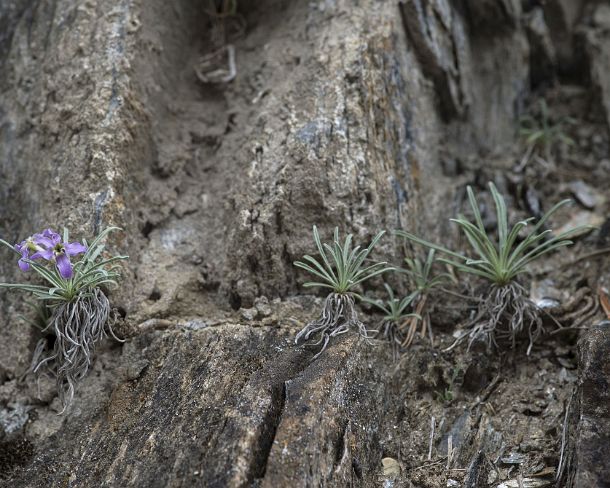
x=341, y=269
x=505, y=312
x=395, y=313
x=71, y=303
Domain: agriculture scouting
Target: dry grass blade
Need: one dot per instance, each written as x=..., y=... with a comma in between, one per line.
x=604, y=301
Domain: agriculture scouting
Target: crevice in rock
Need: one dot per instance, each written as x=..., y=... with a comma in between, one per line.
x=271, y=423
x=339, y=444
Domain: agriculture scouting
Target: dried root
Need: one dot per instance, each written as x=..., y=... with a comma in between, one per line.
x=228, y=26
x=218, y=66
x=78, y=326
x=338, y=317
x=503, y=316
x=411, y=323
x=392, y=335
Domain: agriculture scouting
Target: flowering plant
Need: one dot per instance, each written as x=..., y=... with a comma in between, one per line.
x=72, y=304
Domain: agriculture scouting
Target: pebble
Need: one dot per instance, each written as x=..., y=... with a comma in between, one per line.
x=262, y=306
x=514, y=458
x=249, y=313
x=585, y=194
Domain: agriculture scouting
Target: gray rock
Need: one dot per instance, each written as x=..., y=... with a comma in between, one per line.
x=542, y=48
x=593, y=410
x=262, y=306
x=597, y=47
x=249, y=313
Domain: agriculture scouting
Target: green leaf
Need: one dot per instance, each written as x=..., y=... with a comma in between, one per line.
x=343, y=266
x=10, y=246
x=501, y=262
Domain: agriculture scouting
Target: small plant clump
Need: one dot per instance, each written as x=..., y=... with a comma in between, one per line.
x=423, y=280
x=505, y=312
x=395, y=313
x=341, y=270
x=71, y=303
x=541, y=134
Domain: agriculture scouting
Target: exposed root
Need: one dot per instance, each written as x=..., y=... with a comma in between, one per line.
x=338, y=317
x=218, y=66
x=504, y=316
x=391, y=333
x=78, y=326
x=411, y=323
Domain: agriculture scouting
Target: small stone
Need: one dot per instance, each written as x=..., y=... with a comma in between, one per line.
x=492, y=477
x=14, y=417
x=566, y=363
x=196, y=325
x=530, y=445
x=524, y=483
x=135, y=369
x=514, y=458
x=271, y=320
x=587, y=196
x=249, y=313
x=588, y=221
x=262, y=306
x=391, y=467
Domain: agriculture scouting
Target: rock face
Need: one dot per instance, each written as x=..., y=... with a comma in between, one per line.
x=597, y=41
x=342, y=113
x=228, y=406
x=593, y=410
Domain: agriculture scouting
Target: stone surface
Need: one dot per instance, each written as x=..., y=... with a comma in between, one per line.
x=543, y=59
x=227, y=406
x=597, y=46
x=593, y=409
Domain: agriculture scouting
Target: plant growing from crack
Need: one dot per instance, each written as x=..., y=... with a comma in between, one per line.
x=447, y=394
x=341, y=269
x=71, y=303
x=423, y=280
x=505, y=312
x=395, y=312
x=541, y=134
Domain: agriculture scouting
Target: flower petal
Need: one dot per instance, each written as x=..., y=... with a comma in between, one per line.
x=43, y=241
x=74, y=248
x=23, y=265
x=52, y=235
x=64, y=266
x=44, y=254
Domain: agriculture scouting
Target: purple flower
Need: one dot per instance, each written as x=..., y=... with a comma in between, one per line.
x=51, y=247
x=31, y=245
x=25, y=248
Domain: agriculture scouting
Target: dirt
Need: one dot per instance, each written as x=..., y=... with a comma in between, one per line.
x=329, y=121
